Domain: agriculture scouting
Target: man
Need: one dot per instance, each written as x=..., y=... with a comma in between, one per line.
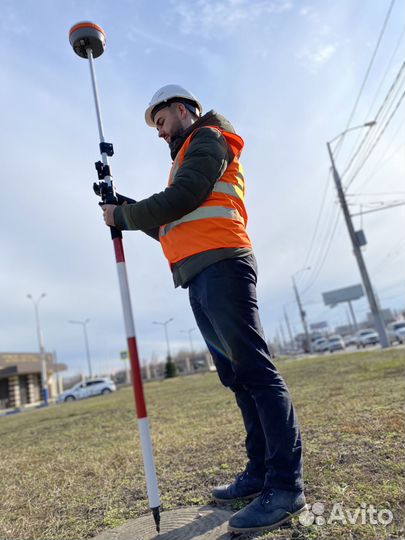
x=200, y=220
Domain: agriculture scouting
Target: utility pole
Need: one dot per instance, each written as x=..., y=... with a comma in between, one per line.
x=303, y=314
x=44, y=371
x=278, y=342
x=287, y=322
x=375, y=310
x=86, y=343
x=356, y=327
x=283, y=336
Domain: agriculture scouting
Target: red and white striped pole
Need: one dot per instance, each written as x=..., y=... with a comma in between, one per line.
x=88, y=41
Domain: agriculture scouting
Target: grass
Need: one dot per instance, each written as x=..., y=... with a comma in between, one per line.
x=73, y=470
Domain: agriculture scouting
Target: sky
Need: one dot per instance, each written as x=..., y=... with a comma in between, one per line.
x=286, y=73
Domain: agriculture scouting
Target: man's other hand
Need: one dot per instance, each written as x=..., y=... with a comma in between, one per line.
x=108, y=214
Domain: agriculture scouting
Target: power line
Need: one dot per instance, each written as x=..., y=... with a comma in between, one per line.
x=325, y=256
x=383, y=206
x=392, y=254
x=367, y=73
x=375, y=194
x=368, y=115
x=325, y=246
x=322, y=241
x=376, y=141
x=385, y=74
x=384, y=115
x=384, y=158
x=369, y=132
x=312, y=243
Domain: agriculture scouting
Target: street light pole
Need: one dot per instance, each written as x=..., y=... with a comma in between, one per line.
x=86, y=342
x=44, y=374
x=189, y=331
x=164, y=324
x=375, y=310
x=303, y=314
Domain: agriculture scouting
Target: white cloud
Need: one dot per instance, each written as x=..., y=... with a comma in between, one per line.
x=314, y=57
x=320, y=44
x=10, y=22
x=219, y=19
x=309, y=12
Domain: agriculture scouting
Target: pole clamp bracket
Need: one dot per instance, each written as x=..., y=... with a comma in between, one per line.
x=102, y=170
x=107, y=148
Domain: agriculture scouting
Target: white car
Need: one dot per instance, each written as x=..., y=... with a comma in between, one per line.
x=320, y=345
x=336, y=343
x=396, y=331
x=350, y=340
x=92, y=387
x=365, y=337
x=401, y=334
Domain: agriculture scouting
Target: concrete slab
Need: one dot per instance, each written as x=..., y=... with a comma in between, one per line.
x=191, y=523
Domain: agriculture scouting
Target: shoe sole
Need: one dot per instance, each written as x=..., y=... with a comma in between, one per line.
x=266, y=527
x=237, y=499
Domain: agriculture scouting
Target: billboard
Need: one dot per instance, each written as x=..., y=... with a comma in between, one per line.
x=332, y=298
x=322, y=325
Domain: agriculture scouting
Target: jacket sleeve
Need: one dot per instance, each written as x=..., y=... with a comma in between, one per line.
x=204, y=163
x=154, y=232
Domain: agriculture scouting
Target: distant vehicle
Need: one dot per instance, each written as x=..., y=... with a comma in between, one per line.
x=396, y=331
x=349, y=341
x=90, y=388
x=401, y=334
x=320, y=345
x=336, y=343
x=365, y=337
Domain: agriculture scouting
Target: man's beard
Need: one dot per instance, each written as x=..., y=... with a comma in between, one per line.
x=176, y=139
x=177, y=132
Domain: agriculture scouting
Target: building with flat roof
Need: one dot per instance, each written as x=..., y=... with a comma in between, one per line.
x=20, y=379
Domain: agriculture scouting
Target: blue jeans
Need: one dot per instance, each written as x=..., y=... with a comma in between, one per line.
x=224, y=303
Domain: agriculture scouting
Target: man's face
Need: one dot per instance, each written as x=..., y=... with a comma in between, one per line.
x=169, y=123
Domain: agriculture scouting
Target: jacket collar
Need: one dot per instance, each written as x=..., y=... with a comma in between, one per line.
x=211, y=118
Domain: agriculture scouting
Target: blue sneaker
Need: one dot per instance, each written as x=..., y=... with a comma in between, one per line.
x=267, y=512
x=244, y=487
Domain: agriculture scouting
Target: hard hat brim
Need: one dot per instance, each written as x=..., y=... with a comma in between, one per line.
x=148, y=113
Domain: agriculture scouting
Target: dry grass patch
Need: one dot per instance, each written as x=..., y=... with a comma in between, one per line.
x=72, y=470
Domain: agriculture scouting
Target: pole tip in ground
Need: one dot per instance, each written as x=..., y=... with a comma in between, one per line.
x=156, y=517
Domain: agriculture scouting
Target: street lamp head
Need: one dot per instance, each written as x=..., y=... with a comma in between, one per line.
x=301, y=270
x=83, y=323
x=366, y=124
x=39, y=298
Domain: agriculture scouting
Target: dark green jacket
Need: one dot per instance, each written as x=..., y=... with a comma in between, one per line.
x=205, y=162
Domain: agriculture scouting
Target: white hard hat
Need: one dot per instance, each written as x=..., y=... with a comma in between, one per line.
x=169, y=93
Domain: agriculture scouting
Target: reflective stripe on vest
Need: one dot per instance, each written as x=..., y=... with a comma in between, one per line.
x=204, y=212
x=220, y=221
x=229, y=189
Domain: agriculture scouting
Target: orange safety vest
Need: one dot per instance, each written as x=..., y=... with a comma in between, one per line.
x=220, y=221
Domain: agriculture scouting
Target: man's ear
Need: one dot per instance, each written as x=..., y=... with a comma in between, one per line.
x=182, y=110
